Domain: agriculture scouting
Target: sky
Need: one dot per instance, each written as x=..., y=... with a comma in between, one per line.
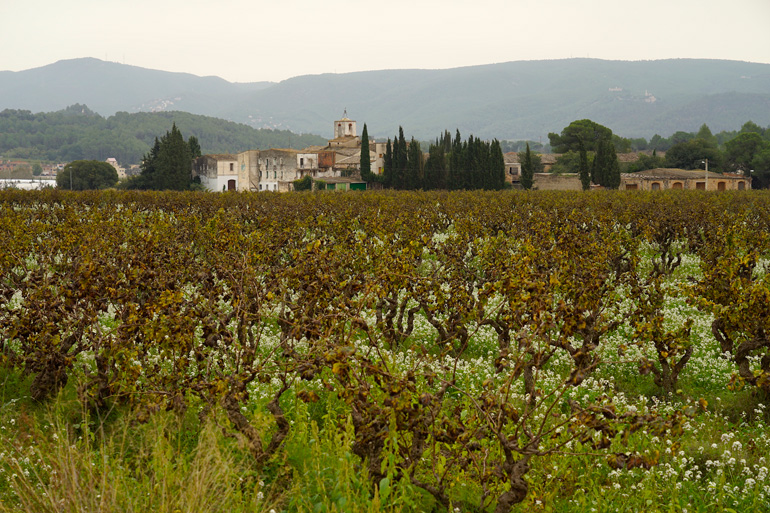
x=258, y=40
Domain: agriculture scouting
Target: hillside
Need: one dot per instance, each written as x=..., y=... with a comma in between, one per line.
x=514, y=100
x=79, y=133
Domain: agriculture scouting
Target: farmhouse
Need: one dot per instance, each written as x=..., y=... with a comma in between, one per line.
x=663, y=178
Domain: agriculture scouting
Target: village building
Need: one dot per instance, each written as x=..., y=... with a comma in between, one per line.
x=217, y=172
x=337, y=164
x=120, y=170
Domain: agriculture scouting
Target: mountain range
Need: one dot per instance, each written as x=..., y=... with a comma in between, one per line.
x=512, y=101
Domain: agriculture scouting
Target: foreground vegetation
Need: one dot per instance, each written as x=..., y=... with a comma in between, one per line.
x=384, y=352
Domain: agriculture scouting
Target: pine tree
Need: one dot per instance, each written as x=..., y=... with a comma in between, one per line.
x=195, y=147
x=366, y=164
x=527, y=170
x=168, y=166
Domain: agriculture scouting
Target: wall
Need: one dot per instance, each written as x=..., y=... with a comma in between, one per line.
x=549, y=182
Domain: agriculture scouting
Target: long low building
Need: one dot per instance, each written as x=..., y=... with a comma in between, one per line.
x=665, y=178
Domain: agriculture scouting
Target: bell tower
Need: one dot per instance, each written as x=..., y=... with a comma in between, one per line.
x=344, y=127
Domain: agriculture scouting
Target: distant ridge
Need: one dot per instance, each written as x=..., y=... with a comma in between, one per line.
x=513, y=100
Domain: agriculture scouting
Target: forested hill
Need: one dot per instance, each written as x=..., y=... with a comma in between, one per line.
x=77, y=133
x=513, y=100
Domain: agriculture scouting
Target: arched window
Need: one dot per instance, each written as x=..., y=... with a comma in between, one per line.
x=655, y=186
x=741, y=186
x=677, y=185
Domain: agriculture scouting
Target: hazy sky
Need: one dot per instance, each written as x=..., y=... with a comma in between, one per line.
x=255, y=40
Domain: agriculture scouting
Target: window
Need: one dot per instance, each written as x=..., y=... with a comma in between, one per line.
x=655, y=186
x=701, y=186
x=301, y=162
x=721, y=186
x=677, y=185
x=232, y=166
x=632, y=186
x=741, y=186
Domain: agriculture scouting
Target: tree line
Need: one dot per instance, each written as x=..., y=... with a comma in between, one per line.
x=588, y=147
x=451, y=163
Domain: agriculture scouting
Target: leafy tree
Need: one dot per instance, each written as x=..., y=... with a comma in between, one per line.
x=82, y=175
x=585, y=131
x=622, y=144
x=705, y=134
x=569, y=163
x=741, y=151
x=761, y=167
x=303, y=184
x=527, y=169
x=366, y=164
x=645, y=162
x=751, y=127
x=37, y=169
x=681, y=137
x=690, y=154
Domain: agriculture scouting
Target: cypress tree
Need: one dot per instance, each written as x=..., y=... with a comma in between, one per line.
x=455, y=178
x=583, y=171
x=400, y=160
x=527, y=170
x=597, y=169
x=387, y=167
x=414, y=166
x=366, y=164
x=612, y=174
x=497, y=165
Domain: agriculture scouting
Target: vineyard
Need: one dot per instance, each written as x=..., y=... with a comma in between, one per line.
x=409, y=351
